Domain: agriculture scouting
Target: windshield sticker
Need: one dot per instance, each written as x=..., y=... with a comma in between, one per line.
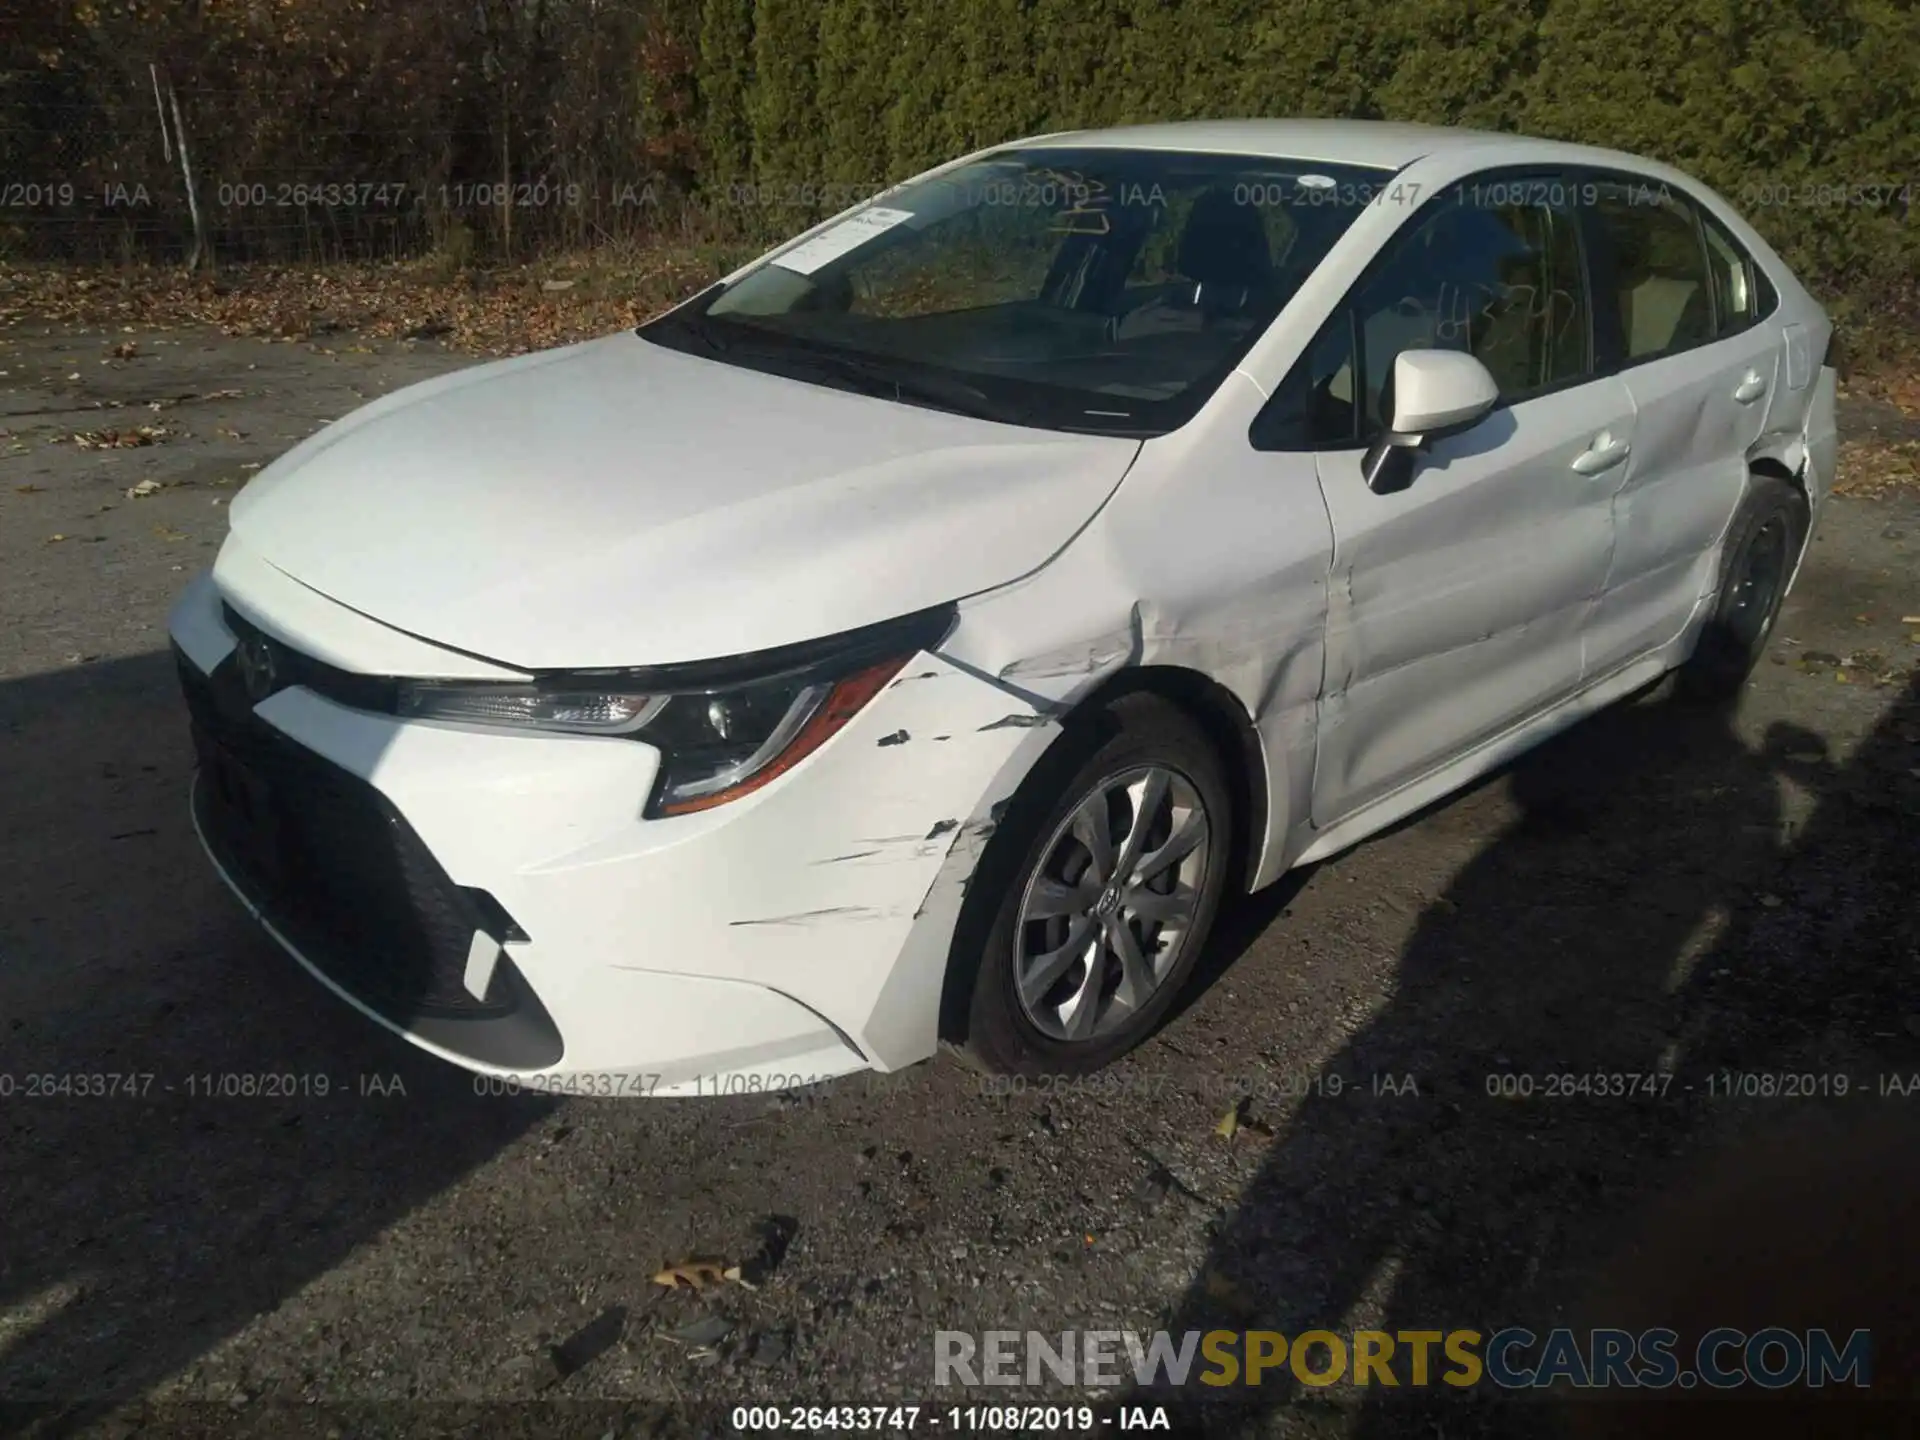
x=1316, y=182
x=849, y=235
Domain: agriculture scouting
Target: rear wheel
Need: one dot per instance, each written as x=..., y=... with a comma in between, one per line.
x=1097, y=894
x=1762, y=544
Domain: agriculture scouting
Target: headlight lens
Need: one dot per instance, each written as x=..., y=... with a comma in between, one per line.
x=587, y=712
x=719, y=745
x=720, y=737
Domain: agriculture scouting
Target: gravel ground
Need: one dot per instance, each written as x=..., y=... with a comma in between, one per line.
x=1656, y=891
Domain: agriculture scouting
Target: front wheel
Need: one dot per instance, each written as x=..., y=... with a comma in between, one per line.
x=1762, y=543
x=1105, y=879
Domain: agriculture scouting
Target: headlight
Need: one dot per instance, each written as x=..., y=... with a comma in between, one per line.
x=723, y=728
x=590, y=712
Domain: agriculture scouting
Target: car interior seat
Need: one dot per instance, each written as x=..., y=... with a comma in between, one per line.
x=1223, y=251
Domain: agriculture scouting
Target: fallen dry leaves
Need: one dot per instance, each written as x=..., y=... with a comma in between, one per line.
x=1240, y=1119
x=1900, y=389
x=490, y=312
x=776, y=1234
x=1858, y=667
x=128, y=439
x=698, y=1274
x=1870, y=469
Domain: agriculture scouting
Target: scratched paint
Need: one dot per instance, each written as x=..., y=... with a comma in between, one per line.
x=1214, y=566
x=812, y=917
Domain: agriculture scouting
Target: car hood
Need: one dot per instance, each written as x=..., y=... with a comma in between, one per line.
x=620, y=503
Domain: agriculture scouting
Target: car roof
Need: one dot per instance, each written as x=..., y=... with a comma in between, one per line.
x=1384, y=144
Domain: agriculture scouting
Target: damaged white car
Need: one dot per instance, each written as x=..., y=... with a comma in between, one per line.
x=918, y=633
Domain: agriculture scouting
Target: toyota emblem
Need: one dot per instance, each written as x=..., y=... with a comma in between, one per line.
x=256, y=667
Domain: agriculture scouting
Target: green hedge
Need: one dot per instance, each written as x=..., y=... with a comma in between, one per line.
x=1756, y=97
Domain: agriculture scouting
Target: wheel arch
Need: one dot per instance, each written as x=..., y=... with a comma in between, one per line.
x=1778, y=469
x=1791, y=470
x=1222, y=720
x=1224, y=727
x=1228, y=728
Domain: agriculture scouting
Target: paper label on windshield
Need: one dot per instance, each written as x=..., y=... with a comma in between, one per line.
x=850, y=234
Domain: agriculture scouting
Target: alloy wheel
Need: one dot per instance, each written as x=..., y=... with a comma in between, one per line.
x=1109, y=909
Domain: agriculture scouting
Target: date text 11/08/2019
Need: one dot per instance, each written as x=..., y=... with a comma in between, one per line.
x=967, y=1419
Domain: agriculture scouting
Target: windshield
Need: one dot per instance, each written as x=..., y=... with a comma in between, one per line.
x=1088, y=289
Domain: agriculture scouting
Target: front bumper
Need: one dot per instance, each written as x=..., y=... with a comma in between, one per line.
x=498, y=899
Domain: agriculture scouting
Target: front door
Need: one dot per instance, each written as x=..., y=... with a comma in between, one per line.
x=1457, y=605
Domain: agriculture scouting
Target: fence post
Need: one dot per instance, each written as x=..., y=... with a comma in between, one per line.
x=160, y=109
x=200, y=247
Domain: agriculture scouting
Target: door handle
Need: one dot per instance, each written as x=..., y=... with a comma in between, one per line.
x=1751, y=387
x=1605, y=453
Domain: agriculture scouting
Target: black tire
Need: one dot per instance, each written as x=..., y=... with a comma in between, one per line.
x=1136, y=735
x=1762, y=546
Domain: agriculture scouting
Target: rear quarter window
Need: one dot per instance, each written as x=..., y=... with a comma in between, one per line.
x=1741, y=296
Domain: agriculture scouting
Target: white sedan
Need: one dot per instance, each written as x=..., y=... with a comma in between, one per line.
x=917, y=634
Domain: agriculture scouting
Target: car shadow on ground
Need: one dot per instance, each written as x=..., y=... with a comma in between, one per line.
x=1651, y=910
x=192, y=1128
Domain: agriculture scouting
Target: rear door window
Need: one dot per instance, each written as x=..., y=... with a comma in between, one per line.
x=1661, y=293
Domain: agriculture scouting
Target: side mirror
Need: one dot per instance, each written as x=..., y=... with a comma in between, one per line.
x=1435, y=393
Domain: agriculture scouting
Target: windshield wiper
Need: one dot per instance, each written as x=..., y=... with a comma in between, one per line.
x=876, y=377
x=686, y=327
x=868, y=376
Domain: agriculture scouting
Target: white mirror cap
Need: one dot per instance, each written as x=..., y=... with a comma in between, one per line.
x=1436, y=389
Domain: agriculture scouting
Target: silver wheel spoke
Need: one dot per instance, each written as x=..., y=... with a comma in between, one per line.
x=1188, y=831
x=1136, y=975
x=1080, y=929
x=1091, y=829
x=1148, y=794
x=1081, y=1012
x=1175, y=908
x=1050, y=898
x=1043, y=970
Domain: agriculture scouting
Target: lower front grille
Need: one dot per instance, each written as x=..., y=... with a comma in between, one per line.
x=333, y=867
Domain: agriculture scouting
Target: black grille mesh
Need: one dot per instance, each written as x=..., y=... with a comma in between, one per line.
x=330, y=862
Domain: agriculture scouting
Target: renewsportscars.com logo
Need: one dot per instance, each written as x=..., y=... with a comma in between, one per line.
x=1515, y=1358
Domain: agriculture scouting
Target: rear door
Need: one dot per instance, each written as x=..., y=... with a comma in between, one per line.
x=1679, y=314
x=1457, y=605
